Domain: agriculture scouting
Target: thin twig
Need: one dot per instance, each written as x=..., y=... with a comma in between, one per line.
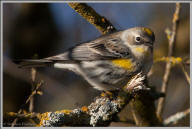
x=185, y=73
x=174, y=119
x=34, y=91
x=33, y=77
x=27, y=101
x=15, y=120
x=176, y=60
x=171, y=38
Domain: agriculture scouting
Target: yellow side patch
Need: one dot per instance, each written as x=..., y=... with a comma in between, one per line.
x=123, y=63
x=140, y=50
x=148, y=31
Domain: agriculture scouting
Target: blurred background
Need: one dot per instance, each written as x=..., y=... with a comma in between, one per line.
x=42, y=30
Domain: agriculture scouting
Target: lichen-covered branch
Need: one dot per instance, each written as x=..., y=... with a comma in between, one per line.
x=100, y=22
x=171, y=35
x=102, y=111
x=25, y=115
x=99, y=113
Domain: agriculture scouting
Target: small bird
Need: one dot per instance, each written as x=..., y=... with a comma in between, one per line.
x=108, y=62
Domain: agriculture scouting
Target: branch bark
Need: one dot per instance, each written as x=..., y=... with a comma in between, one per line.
x=100, y=22
x=99, y=113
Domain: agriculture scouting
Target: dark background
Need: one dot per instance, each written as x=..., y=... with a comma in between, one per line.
x=43, y=30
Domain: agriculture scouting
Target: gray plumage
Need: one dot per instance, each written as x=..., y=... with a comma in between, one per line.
x=93, y=60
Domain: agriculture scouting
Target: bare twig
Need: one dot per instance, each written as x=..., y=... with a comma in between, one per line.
x=176, y=60
x=185, y=73
x=34, y=91
x=100, y=22
x=15, y=120
x=174, y=119
x=171, y=35
x=33, y=76
x=27, y=115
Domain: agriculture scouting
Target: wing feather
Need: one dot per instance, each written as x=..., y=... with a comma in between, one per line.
x=107, y=49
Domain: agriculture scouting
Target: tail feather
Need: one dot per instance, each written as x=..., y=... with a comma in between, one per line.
x=28, y=63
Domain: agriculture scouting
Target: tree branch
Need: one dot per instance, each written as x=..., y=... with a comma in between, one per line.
x=99, y=113
x=171, y=35
x=100, y=22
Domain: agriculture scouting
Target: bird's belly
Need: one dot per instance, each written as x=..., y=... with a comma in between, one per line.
x=104, y=76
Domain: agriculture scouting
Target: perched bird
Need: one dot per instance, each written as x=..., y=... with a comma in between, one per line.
x=107, y=62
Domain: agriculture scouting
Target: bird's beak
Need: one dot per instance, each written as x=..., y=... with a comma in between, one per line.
x=149, y=44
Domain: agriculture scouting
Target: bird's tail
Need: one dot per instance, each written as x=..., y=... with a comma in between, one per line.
x=28, y=63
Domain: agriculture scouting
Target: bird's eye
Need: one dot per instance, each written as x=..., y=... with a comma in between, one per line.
x=138, y=39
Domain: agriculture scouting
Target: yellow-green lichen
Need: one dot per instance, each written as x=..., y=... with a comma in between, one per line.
x=64, y=111
x=43, y=117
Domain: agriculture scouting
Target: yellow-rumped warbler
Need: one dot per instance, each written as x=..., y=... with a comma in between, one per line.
x=107, y=62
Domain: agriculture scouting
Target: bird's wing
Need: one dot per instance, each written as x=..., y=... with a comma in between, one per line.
x=106, y=49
